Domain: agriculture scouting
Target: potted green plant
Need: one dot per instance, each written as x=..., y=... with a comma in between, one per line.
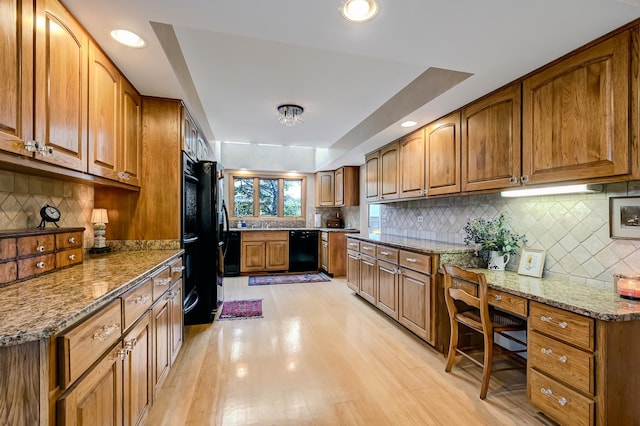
x=494, y=239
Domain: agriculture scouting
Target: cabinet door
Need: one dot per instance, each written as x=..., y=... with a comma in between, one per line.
x=277, y=255
x=387, y=294
x=97, y=398
x=576, y=116
x=368, y=278
x=137, y=372
x=339, y=187
x=61, y=86
x=415, y=303
x=161, y=342
x=389, y=187
x=130, y=159
x=104, y=110
x=16, y=68
x=177, y=321
x=189, y=134
x=253, y=256
x=324, y=189
x=372, y=173
x=353, y=270
x=442, y=142
x=412, y=165
x=324, y=255
x=491, y=141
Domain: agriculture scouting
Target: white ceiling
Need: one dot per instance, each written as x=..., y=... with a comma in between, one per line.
x=234, y=61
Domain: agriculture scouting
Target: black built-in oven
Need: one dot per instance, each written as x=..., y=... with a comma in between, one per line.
x=189, y=225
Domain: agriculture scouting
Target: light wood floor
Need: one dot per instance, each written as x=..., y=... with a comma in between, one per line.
x=323, y=356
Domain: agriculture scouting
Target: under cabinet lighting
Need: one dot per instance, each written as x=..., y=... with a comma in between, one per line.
x=128, y=38
x=553, y=190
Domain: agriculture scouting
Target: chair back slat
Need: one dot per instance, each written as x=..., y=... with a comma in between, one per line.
x=463, y=296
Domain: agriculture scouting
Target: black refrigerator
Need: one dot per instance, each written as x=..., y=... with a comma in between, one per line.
x=212, y=232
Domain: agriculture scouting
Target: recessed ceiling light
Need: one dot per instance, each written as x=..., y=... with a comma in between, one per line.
x=359, y=10
x=408, y=123
x=128, y=38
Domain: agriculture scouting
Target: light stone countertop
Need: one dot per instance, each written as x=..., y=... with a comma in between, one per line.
x=42, y=306
x=415, y=244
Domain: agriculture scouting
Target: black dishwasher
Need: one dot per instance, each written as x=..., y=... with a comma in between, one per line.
x=232, y=255
x=303, y=251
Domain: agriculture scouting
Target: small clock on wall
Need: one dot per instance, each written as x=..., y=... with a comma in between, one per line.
x=49, y=214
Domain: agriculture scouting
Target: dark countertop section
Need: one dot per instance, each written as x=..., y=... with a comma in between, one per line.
x=41, y=307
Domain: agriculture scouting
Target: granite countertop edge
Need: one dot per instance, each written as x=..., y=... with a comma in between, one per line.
x=345, y=230
x=43, y=320
x=415, y=244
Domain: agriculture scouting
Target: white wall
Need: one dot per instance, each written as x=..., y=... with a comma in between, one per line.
x=256, y=157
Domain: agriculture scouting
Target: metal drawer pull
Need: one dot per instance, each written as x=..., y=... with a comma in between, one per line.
x=498, y=297
x=562, y=358
x=385, y=253
x=107, y=329
x=72, y=240
x=40, y=249
x=40, y=265
x=411, y=260
x=550, y=320
x=142, y=299
x=72, y=257
x=176, y=269
x=394, y=272
x=367, y=263
x=367, y=248
x=561, y=399
x=162, y=281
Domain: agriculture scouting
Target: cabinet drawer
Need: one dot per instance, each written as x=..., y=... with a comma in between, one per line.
x=69, y=257
x=508, y=302
x=35, y=244
x=137, y=301
x=415, y=261
x=176, y=270
x=8, y=272
x=7, y=248
x=36, y=265
x=559, y=402
x=387, y=253
x=566, y=363
x=368, y=248
x=161, y=282
x=83, y=345
x=324, y=236
x=567, y=326
x=353, y=244
x=68, y=240
x=265, y=235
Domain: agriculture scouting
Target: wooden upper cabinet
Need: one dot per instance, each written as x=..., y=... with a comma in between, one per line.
x=576, y=116
x=104, y=100
x=442, y=146
x=189, y=134
x=16, y=69
x=491, y=141
x=389, y=176
x=325, y=189
x=372, y=173
x=130, y=158
x=347, y=186
x=61, y=63
x=412, y=164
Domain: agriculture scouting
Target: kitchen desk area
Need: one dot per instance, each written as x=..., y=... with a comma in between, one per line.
x=583, y=341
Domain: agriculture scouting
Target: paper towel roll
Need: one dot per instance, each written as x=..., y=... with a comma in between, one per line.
x=317, y=220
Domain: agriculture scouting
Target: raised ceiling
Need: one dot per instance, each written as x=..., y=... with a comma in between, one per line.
x=233, y=62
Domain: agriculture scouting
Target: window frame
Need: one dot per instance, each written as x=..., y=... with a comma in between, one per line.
x=256, y=196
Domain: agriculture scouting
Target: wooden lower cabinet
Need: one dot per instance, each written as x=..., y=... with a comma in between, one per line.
x=264, y=251
x=333, y=253
x=368, y=278
x=387, y=292
x=137, y=390
x=177, y=321
x=168, y=333
x=415, y=296
x=277, y=255
x=353, y=270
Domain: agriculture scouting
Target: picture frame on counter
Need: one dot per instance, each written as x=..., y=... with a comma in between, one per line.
x=624, y=218
x=531, y=262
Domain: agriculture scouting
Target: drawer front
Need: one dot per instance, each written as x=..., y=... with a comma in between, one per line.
x=68, y=240
x=161, y=282
x=35, y=244
x=36, y=265
x=69, y=257
x=137, y=301
x=567, y=326
x=416, y=261
x=8, y=248
x=353, y=244
x=265, y=235
x=8, y=272
x=368, y=249
x=324, y=236
x=176, y=269
x=559, y=402
x=84, y=344
x=387, y=253
x=508, y=302
x=566, y=363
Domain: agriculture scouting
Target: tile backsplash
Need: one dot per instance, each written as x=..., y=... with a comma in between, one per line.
x=22, y=196
x=573, y=229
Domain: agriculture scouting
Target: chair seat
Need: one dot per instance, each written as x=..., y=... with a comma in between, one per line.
x=501, y=321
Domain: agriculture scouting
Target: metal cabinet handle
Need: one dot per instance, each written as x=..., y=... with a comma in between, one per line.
x=40, y=249
x=563, y=358
x=498, y=297
x=176, y=269
x=72, y=257
x=561, y=400
x=72, y=240
x=385, y=253
x=142, y=299
x=162, y=281
x=524, y=179
x=40, y=265
x=105, y=331
x=550, y=320
x=513, y=180
x=411, y=260
x=367, y=248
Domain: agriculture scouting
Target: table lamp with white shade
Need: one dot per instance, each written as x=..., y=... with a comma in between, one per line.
x=99, y=219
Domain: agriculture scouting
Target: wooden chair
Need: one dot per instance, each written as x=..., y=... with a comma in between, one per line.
x=465, y=294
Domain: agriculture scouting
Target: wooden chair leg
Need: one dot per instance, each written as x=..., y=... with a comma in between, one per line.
x=453, y=344
x=486, y=369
